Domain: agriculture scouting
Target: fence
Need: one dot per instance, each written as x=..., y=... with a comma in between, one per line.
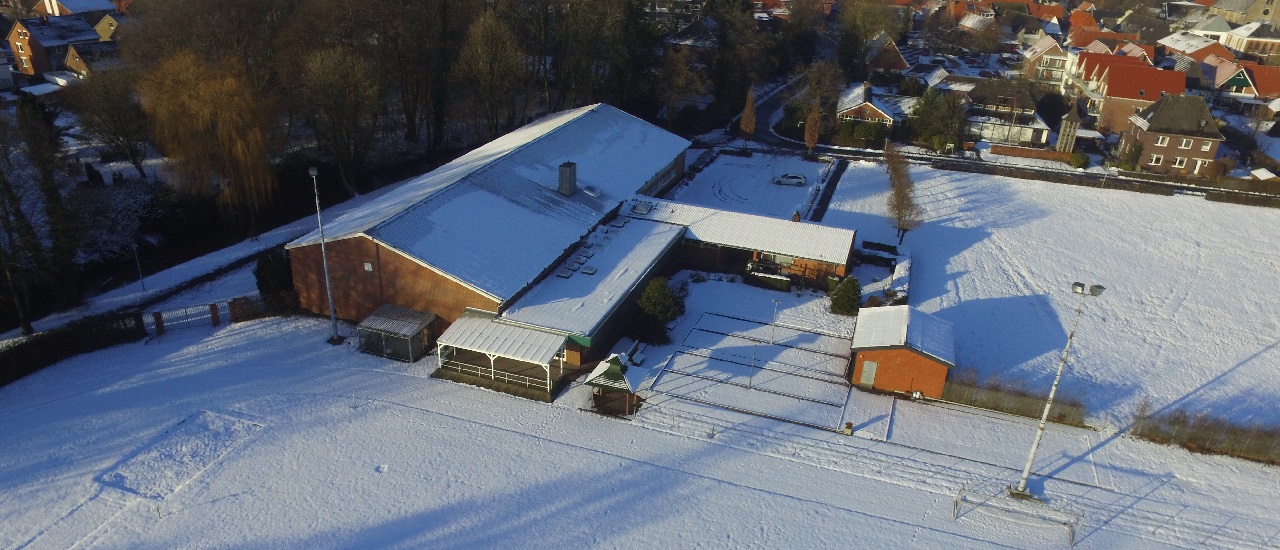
x=208, y=315
x=495, y=375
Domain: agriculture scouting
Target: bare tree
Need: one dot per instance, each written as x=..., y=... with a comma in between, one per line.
x=748, y=122
x=108, y=112
x=901, y=202
x=19, y=245
x=492, y=67
x=341, y=94
x=813, y=125
x=681, y=80
x=208, y=120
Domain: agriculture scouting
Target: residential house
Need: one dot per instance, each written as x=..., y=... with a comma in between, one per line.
x=1086, y=71
x=1148, y=28
x=1045, y=61
x=883, y=56
x=1001, y=111
x=1080, y=38
x=1256, y=40
x=39, y=44
x=700, y=38
x=1193, y=45
x=1129, y=89
x=107, y=26
x=1081, y=19
x=1213, y=27
x=861, y=103
x=1176, y=135
x=89, y=10
x=84, y=59
x=901, y=349
x=1241, y=86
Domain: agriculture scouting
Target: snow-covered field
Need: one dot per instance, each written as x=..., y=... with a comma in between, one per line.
x=260, y=435
x=1187, y=319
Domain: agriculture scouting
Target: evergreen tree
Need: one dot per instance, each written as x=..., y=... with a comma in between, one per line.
x=847, y=297
x=748, y=122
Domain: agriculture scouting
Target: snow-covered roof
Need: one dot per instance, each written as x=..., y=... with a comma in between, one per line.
x=59, y=31
x=595, y=280
x=748, y=231
x=42, y=89
x=894, y=326
x=480, y=331
x=492, y=219
x=81, y=6
x=1185, y=42
x=1263, y=174
x=393, y=319
x=895, y=107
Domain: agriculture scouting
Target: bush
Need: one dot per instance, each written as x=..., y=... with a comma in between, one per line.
x=1079, y=160
x=1202, y=433
x=847, y=297
x=274, y=276
x=659, y=305
x=766, y=281
x=1217, y=169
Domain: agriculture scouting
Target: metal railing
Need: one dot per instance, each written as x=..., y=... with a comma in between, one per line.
x=495, y=374
x=189, y=317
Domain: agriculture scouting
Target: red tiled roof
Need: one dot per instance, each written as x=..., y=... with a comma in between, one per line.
x=1083, y=20
x=1146, y=83
x=1215, y=48
x=1131, y=49
x=1045, y=12
x=1266, y=80
x=1093, y=65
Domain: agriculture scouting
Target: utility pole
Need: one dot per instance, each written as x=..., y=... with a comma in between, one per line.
x=334, y=339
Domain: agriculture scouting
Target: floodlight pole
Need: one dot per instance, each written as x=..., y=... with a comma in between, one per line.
x=773, y=328
x=1021, y=490
x=324, y=259
x=138, y=262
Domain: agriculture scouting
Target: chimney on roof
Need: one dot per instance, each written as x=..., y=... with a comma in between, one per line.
x=568, y=179
x=795, y=216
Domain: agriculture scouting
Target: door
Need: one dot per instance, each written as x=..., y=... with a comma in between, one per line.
x=868, y=373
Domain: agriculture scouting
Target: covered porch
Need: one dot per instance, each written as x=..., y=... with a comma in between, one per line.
x=525, y=361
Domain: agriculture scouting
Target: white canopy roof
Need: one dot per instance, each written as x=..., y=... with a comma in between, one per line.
x=748, y=231
x=590, y=286
x=894, y=326
x=480, y=331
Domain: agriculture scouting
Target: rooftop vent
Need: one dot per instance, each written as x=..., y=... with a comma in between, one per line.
x=568, y=179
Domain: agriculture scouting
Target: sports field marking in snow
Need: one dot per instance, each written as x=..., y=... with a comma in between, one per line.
x=189, y=448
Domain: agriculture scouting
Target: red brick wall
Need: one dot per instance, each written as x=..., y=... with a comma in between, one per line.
x=902, y=370
x=1045, y=154
x=1114, y=117
x=392, y=279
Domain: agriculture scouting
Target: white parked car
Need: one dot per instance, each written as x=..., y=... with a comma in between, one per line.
x=790, y=179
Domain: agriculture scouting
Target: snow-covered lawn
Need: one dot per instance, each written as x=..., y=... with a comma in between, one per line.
x=1187, y=319
x=261, y=435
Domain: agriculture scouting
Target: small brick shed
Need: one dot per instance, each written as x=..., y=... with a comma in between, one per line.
x=901, y=349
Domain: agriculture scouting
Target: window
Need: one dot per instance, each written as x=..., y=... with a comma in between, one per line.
x=1186, y=143
x=25, y=64
x=20, y=48
x=1179, y=162
x=1206, y=145
x=1156, y=160
x=1162, y=141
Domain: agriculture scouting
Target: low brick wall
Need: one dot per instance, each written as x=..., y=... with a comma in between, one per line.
x=1042, y=154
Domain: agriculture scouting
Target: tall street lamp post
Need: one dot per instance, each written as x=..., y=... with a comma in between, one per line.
x=1079, y=288
x=324, y=259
